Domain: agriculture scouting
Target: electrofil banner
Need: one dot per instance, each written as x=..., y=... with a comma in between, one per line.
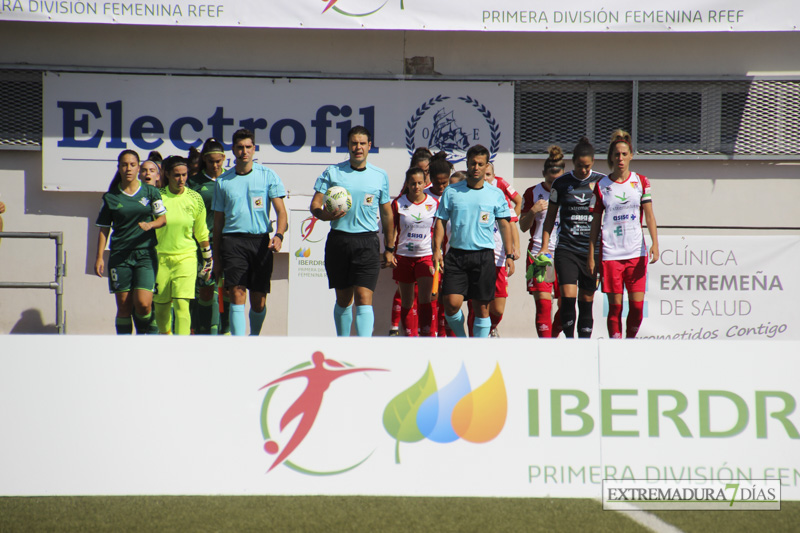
x=447, y=15
x=722, y=287
x=300, y=125
x=379, y=416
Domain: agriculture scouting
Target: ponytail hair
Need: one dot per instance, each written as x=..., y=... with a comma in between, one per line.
x=440, y=164
x=174, y=161
x=193, y=158
x=584, y=148
x=419, y=155
x=555, y=159
x=212, y=146
x=411, y=172
x=115, y=181
x=619, y=136
x=155, y=157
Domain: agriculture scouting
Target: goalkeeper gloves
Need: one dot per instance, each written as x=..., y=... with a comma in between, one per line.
x=208, y=264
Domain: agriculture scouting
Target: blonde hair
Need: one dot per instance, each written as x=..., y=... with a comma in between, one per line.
x=619, y=136
x=555, y=159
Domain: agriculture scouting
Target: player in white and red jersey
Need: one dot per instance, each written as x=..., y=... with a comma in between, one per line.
x=619, y=201
x=420, y=158
x=414, y=214
x=535, y=201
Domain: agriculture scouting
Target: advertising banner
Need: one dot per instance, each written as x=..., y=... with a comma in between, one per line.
x=411, y=417
x=308, y=283
x=448, y=15
x=723, y=287
x=300, y=125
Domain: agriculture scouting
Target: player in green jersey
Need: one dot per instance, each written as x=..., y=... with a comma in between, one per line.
x=177, y=249
x=131, y=209
x=206, y=318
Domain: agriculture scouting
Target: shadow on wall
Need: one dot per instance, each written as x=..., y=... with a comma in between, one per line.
x=30, y=321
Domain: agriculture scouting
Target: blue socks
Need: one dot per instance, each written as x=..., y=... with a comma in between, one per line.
x=456, y=323
x=365, y=320
x=343, y=318
x=256, y=321
x=238, y=323
x=482, y=326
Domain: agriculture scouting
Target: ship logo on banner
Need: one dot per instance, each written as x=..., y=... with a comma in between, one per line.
x=452, y=125
x=443, y=415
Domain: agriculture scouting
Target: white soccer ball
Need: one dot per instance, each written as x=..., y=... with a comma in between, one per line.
x=338, y=198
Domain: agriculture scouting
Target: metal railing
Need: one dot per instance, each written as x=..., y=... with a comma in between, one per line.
x=61, y=272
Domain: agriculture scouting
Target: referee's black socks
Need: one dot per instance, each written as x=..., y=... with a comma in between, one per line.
x=568, y=316
x=585, y=320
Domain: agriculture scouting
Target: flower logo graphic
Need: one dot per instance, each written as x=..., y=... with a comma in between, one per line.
x=424, y=411
x=319, y=375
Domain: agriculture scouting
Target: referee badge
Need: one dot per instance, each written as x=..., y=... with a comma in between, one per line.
x=258, y=202
x=485, y=217
x=369, y=199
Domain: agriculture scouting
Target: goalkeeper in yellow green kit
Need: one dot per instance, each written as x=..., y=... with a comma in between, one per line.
x=177, y=250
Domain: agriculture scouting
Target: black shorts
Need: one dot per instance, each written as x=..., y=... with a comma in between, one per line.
x=247, y=261
x=470, y=273
x=352, y=260
x=571, y=269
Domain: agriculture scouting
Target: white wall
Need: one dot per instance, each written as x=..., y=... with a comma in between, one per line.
x=686, y=193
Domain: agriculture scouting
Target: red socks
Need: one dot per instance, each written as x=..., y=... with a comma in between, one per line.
x=544, y=324
x=614, y=321
x=635, y=315
x=425, y=319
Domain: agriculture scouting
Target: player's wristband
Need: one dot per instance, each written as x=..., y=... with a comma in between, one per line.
x=389, y=249
x=509, y=256
x=279, y=236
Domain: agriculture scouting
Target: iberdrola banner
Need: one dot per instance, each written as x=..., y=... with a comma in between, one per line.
x=393, y=416
x=447, y=15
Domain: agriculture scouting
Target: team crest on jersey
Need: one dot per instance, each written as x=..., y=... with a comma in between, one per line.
x=369, y=199
x=428, y=207
x=591, y=186
x=145, y=201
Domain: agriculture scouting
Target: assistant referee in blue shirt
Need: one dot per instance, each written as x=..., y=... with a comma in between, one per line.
x=472, y=206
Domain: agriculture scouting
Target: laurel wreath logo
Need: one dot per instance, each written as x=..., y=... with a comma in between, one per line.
x=494, y=127
x=411, y=125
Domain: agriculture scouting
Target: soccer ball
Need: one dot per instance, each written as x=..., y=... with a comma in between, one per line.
x=338, y=198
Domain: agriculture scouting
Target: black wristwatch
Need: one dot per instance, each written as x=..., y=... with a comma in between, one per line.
x=389, y=249
x=509, y=256
x=279, y=236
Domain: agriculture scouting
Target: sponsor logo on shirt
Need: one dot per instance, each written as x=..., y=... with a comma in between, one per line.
x=582, y=199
